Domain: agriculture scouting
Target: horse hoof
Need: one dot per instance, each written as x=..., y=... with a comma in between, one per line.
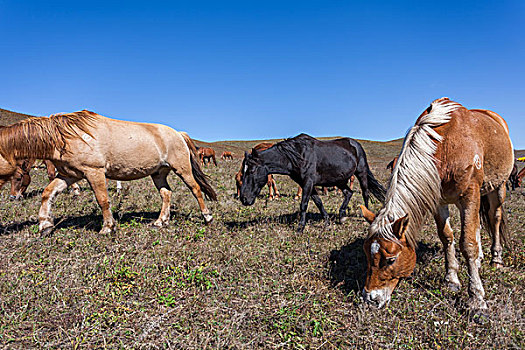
x=208, y=219
x=498, y=264
x=106, y=231
x=454, y=287
x=46, y=232
x=479, y=316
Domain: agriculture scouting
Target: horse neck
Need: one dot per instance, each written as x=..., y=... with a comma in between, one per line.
x=276, y=162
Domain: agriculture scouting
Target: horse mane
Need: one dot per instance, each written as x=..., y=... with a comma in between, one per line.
x=39, y=137
x=415, y=184
x=288, y=148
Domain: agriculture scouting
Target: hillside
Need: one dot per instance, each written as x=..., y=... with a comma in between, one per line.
x=378, y=151
x=8, y=117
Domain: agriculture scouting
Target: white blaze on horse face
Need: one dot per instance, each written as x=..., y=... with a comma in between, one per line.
x=477, y=161
x=245, y=168
x=374, y=248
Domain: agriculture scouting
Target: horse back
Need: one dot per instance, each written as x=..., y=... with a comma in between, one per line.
x=476, y=148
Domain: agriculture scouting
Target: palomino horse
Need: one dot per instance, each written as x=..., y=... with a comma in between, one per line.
x=22, y=178
x=87, y=145
x=392, y=164
x=451, y=155
x=227, y=155
x=206, y=154
x=272, y=187
x=311, y=162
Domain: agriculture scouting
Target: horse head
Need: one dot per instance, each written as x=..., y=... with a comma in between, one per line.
x=388, y=260
x=254, y=177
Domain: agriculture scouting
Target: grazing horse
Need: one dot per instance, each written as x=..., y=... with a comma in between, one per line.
x=392, y=164
x=451, y=155
x=311, y=162
x=87, y=145
x=227, y=155
x=206, y=154
x=272, y=187
x=519, y=177
x=22, y=178
x=513, y=177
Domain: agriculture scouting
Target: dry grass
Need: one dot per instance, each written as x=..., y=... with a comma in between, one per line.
x=248, y=281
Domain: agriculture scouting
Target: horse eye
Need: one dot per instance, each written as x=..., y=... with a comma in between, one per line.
x=390, y=261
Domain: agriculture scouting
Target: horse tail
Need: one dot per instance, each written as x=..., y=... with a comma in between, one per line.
x=375, y=187
x=198, y=174
x=189, y=142
x=202, y=179
x=484, y=214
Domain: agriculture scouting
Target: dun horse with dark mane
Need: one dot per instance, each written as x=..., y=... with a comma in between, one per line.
x=451, y=155
x=87, y=145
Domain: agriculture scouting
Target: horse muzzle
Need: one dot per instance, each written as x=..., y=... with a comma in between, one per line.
x=247, y=201
x=377, y=297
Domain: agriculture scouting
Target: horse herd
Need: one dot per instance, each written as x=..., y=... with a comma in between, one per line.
x=452, y=155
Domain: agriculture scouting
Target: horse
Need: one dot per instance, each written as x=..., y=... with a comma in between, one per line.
x=452, y=155
x=22, y=178
x=310, y=162
x=227, y=155
x=520, y=176
x=87, y=145
x=392, y=164
x=206, y=154
x=514, y=180
x=272, y=187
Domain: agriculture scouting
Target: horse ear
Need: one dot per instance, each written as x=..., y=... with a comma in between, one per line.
x=254, y=153
x=400, y=226
x=367, y=214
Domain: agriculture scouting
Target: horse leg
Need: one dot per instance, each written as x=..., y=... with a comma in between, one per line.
x=469, y=208
x=214, y=160
x=97, y=181
x=319, y=203
x=352, y=180
x=275, y=190
x=347, y=193
x=307, y=190
x=270, y=187
x=185, y=173
x=496, y=200
x=299, y=193
x=446, y=235
x=160, y=181
x=56, y=186
x=362, y=176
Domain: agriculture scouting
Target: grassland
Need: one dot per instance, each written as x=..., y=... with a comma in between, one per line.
x=247, y=281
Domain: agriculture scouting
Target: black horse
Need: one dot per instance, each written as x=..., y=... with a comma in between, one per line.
x=311, y=162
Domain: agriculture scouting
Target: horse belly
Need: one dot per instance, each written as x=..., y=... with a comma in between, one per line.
x=133, y=172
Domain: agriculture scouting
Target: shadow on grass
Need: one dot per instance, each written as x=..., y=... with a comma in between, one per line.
x=285, y=219
x=16, y=227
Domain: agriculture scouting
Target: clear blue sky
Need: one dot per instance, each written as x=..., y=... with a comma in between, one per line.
x=264, y=69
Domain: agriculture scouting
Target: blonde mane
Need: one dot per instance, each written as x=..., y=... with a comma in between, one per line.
x=415, y=185
x=39, y=137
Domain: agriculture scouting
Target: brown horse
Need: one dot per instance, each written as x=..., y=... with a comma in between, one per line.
x=272, y=187
x=206, y=154
x=520, y=176
x=87, y=145
x=227, y=155
x=392, y=164
x=451, y=155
